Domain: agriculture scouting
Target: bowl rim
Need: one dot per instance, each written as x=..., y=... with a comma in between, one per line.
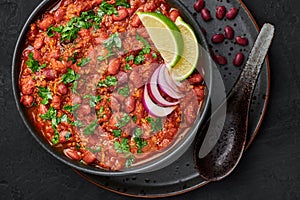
x=45, y=5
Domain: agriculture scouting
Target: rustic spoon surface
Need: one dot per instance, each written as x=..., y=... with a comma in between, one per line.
x=219, y=152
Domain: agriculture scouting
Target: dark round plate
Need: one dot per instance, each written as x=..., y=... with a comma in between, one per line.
x=181, y=176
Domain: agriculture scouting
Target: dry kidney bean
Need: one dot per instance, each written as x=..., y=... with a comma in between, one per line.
x=49, y=74
x=199, y=5
x=205, y=14
x=238, y=59
x=241, y=40
x=232, y=13
x=113, y=66
x=27, y=100
x=74, y=155
x=129, y=104
x=217, y=38
x=88, y=157
x=56, y=101
x=135, y=21
x=229, y=32
x=221, y=60
x=220, y=12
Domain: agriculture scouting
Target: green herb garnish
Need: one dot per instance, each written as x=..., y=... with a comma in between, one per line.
x=123, y=121
x=124, y=91
x=93, y=99
x=139, y=59
x=108, y=81
x=129, y=161
x=114, y=41
x=70, y=76
x=122, y=146
x=155, y=124
x=89, y=129
x=83, y=62
x=117, y=133
x=128, y=67
x=45, y=94
x=70, y=108
x=129, y=58
x=34, y=64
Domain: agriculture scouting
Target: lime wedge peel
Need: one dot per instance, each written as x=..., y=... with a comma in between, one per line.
x=165, y=35
x=190, y=55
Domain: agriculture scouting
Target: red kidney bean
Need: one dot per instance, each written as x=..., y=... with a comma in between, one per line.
x=238, y=59
x=221, y=60
x=62, y=138
x=62, y=89
x=136, y=78
x=174, y=14
x=243, y=41
x=122, y=78
x=114, y=104
x=189, y=114
x=76, y=99
x=88, y=157
x=229, y=32
x=36, y=55
x=135, y=21
x=42, y=109
x=47, y=21
x=56, y=100
x=27, y=100
x=38, y=43
x=49, y=74
x=195, y=79
x=122, y=14
x=27, y=85
x=84, y=110
x=113, y=66
x=205, y=14
x=232, y=13
x=129, y=104
x=59, y=14
x=74, y=155
x=220, y=12
x=217, y=38
x=199, y=5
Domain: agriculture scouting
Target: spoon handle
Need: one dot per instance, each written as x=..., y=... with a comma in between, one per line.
x=251, y=70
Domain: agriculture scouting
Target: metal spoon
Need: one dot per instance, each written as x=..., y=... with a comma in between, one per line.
x=219, y=152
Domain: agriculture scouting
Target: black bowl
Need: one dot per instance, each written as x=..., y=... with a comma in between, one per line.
x=171, y=154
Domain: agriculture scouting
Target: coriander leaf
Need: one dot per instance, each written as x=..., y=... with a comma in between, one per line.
x=76, y=123
x=108, y=81
x=113, y=41
x=154, y=55
x=146, y=49
x=128, y=67
x=45, y=94
x=124, y=91
x=93, y=99
x=70, y=76
x=138, y=132
x=155, y=124
x=74, y=86
x=74, y=58
x=140, y=144
x=97, y=149
x=108, y=8
x=70, y=108
x=129, y=58
x=122, y=147
x=101, y=58
x=122, y=3
x=139, y=59
x=117, y=133
x=123, y=121
x=56, y=29
x=55, y=138
x=134, y=118
x=129, y=161
x=83, y=62
x=34, y=64
x=51, y=113
x=89, y=129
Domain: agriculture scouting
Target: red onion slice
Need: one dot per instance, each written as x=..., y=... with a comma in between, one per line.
x=165, y=86
x=154, y=92
x=154, y=109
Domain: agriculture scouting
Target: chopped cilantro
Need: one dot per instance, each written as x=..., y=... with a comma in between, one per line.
x=97, y=149
x=122, y=146
x=108, y=8
x=89, y=129
x=122, y=3
x=70, y=76
x=108, y=81
x=70, y=108
x=128, y=67
x=134, y=118
x=138, y=133
x=123, y=121
x=124, y=91
x=101, y=58
x=129, y=161
x=146, y=49
x=55, y=138
x=117, y=133
x=129, y=58
x=140, y=143
x=45, y=94
x=51, y=113
x=56, y=29
x=83, y=62
x=93, y=99
x=74, y=58
x=155, y=124
x=74, y=86
x=76, y=123
x=34, y=64
x=139, y=59
x=114, y=41
x=154, y=55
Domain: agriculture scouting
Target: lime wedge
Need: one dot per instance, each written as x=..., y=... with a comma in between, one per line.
x=165, y=35
x=189, y=57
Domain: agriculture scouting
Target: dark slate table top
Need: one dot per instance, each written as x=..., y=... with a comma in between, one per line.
x=269, y=170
